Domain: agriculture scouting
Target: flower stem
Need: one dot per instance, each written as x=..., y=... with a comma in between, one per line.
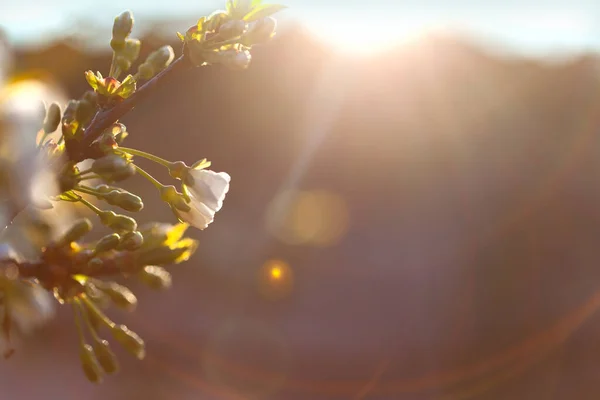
x=150, y=178
x=78, y=323
x=88, y=321
x=97, y=313
x=88, y=190
x=90, y=205
x=148, y=156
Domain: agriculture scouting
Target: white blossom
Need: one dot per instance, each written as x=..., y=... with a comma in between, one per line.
x=207, y=190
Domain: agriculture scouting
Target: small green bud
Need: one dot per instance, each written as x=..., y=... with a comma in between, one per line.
x=90, y=365
x=113, y=167
x=156, y=62
x=231, y=29
x=117, y=44
x=155, y=277
x=106, y=357
x=91, y=97
x=69, y=123
x=123, y=63
x=161, y=58
x=129, y=340
x=53, y=118
x=70, y=110
x=122, y=25
x=85, y=111
x=132, y=241
x=79, y=229
x=146, y=71
x=107, y=243
x=118, y=222
x=120, y=295
x=132, y=49
x=125, y=200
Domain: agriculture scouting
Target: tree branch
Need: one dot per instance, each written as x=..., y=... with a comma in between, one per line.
x=103, y=119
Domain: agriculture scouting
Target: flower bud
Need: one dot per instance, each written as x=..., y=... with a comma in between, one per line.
x=123, y=63
x=117, y=222
x=69, y=123
x=85, y=111
x=117, y=44
x=53, y=118
x=132, y=49
x=120, y=295
x=160, y=59
x=231, y=29
x=107, y=243
x=125, y=200
x=122, y=26
x=90, y=365
x=132, y=241
x=79, y=229
x=91, y=97
x=260, y=31
x=106, y=358
x=129, y=340
x=145, y=71
x=113, y=168
x=155, y=277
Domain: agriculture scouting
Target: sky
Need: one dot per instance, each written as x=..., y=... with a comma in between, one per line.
x=529, y=26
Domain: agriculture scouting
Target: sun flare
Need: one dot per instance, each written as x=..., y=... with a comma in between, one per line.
x=364, y=36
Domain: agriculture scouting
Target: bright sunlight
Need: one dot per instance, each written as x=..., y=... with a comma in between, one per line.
x=364, y=35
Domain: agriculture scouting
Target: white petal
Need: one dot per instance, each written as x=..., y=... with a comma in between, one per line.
x=209, y=187
x=199, y=216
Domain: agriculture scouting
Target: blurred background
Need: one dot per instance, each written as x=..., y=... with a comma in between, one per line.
x=413, y=214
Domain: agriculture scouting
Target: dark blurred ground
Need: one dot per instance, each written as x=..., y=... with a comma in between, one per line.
x=464, y=262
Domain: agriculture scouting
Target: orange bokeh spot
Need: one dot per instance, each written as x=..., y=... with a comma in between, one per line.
x=275, y=279
x=314, y=218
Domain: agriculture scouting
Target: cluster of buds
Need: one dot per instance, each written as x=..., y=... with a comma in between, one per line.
x=226, y=37
x=74, y=270
x=80, y=273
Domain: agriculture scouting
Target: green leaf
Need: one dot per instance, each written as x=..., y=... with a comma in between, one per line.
x=262, y=11
x=92, y=79
x=181, y=37
x=127, y=87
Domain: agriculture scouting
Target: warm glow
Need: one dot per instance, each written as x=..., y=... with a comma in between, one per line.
x=275, y=279
x=365, y=35
x=276, y=273
x=311, y=218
